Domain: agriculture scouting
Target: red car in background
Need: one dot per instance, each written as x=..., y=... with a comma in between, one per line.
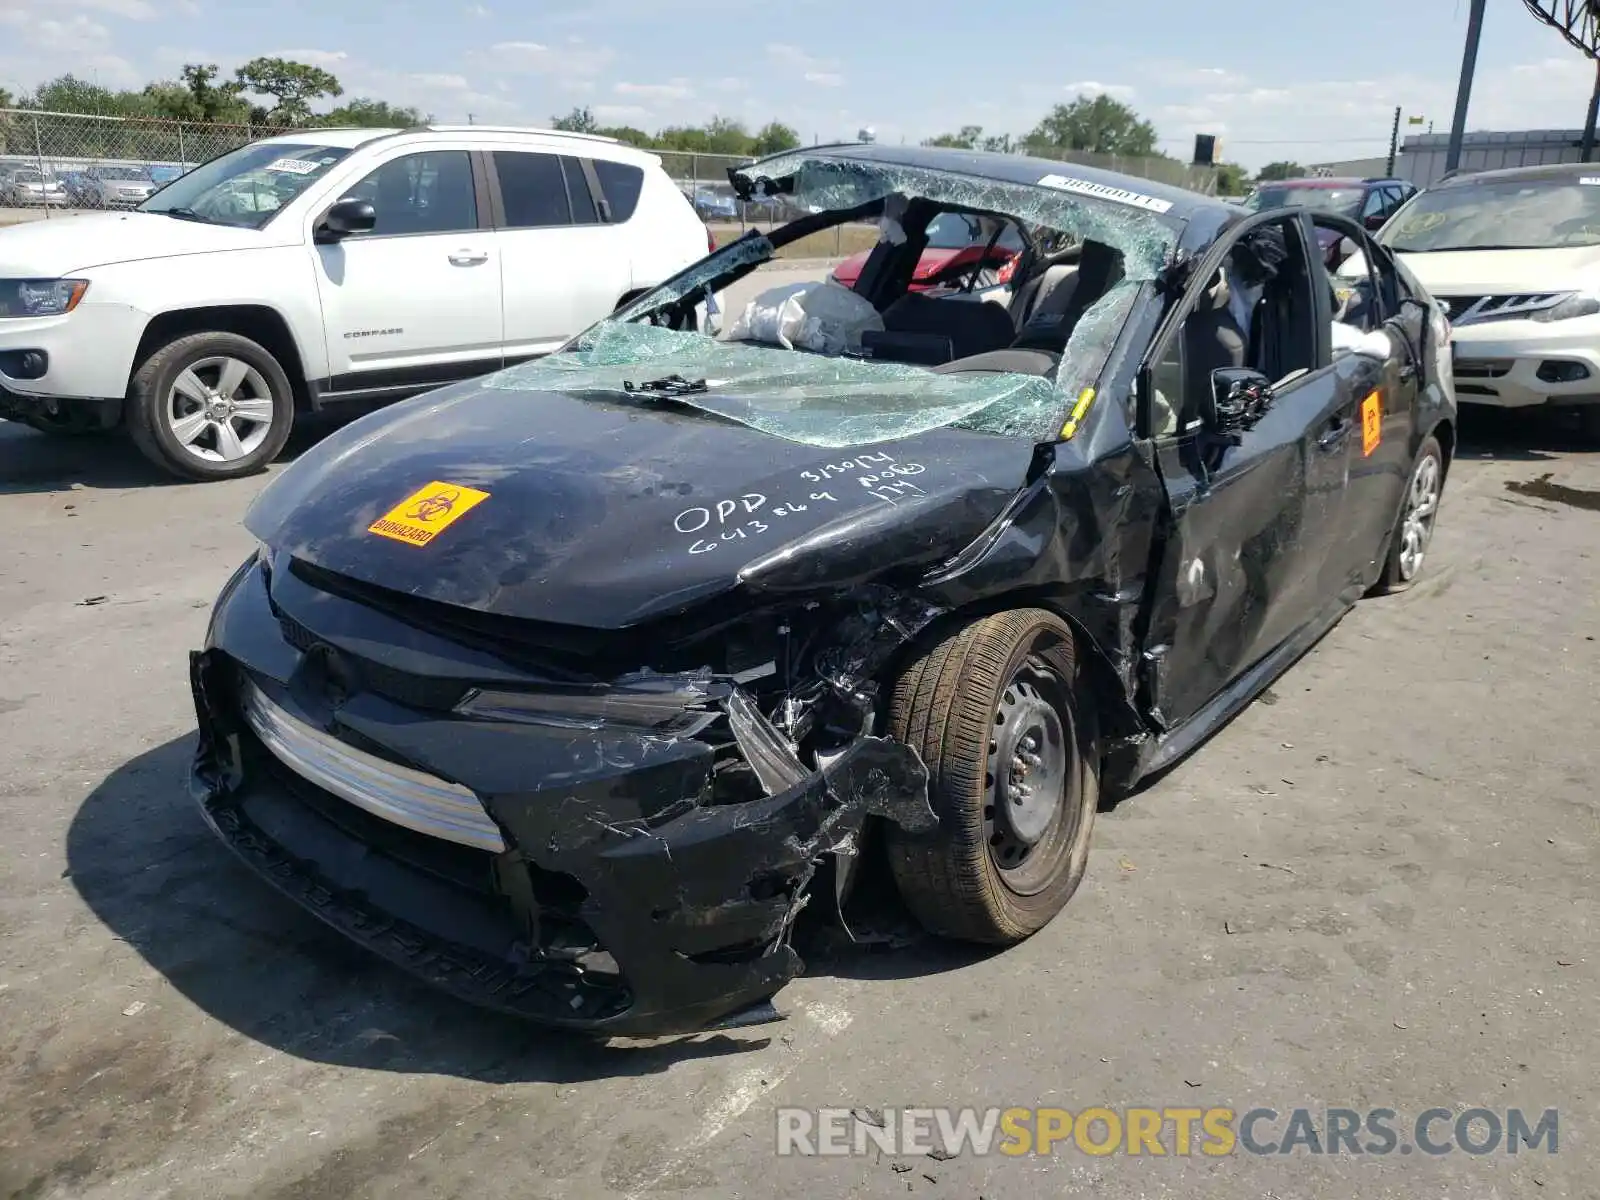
x=956, y=244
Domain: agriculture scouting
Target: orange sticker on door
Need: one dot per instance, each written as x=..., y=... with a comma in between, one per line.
x=1371, y=423
x=427, y=512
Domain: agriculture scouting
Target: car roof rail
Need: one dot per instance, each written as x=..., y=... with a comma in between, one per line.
x=561, y=133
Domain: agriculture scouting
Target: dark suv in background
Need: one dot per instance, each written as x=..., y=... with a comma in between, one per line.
x=1369, y=201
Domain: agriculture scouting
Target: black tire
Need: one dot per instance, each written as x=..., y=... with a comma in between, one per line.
x=153, y=383
x=1589, y=423
x=1398, y=573
x=948, y=706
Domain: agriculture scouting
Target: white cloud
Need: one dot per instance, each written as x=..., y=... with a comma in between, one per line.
x=312, y=58
x=621, y=114
x=1335, y=119
x=133, y=10
x=1093, y=87
x=443, y=82
x=728, y=84
x=823, y=72
x=478, y=10
x=78, y=35
x=575, y=59
x=677, y=89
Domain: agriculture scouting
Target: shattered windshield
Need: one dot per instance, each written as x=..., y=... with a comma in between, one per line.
x=815, y=362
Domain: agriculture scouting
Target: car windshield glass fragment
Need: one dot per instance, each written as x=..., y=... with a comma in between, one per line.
x=1520, y=215
x=248, y=186
x=834, y=392
x=1320, y=199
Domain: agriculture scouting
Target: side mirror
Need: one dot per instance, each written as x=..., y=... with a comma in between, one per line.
x=346, y=217
x=1239, y=398
x=1376, y=221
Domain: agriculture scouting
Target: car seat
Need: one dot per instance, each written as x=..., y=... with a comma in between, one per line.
x=968, y=327
x=1037, y=348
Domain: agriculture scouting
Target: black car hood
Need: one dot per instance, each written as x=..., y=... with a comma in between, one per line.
x=606, y=513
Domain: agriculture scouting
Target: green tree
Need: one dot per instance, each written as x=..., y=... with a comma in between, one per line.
x=727, y=136
x=293, y=85
x=374, y=114
x=627, y=135
x=689, y=139
x=69, y=94
x=1280, y=170
x=579, y=120
x=1101, y=125
x=969, y=137
x=1232, y=179
x=214, y=101
x=773, y=138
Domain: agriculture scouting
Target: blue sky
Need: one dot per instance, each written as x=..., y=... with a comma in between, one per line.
x=1309, y=82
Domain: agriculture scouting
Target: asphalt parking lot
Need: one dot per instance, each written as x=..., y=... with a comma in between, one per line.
x=1376, y=888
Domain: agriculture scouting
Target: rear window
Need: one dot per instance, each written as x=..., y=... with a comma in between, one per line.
x=533, y=189
x=1321, y=199
x=621, y=184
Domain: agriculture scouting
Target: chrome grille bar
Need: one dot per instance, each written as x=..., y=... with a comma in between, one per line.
x=416, y=800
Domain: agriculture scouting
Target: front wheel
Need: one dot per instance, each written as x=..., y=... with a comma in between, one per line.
x=1000, y=712
x=1413, y=531
x=210, y=406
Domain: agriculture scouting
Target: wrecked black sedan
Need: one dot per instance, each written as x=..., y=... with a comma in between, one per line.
x=568, y=688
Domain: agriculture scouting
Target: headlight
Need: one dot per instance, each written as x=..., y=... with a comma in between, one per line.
x=663, y=705
x=1579, y=304
x=40, y=297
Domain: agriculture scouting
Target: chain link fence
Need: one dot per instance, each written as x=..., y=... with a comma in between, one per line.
x=54, y=160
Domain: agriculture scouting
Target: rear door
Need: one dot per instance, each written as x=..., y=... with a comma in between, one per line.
x=416, y=302
x=1241, y=569
x=562, y=266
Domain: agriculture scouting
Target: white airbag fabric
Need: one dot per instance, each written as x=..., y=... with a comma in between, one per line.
x=822, y=318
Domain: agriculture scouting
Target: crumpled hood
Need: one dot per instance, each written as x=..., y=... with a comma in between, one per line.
x=50, y=249
x=605, y=514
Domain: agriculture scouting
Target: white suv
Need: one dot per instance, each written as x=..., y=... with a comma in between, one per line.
x=324, y=266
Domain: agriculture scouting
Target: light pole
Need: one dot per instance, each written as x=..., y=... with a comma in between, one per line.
x=1469, y=64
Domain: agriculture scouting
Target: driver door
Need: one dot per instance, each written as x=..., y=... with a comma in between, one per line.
x=1240, y=569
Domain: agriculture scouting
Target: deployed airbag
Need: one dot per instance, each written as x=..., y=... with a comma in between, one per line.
x=823, y=318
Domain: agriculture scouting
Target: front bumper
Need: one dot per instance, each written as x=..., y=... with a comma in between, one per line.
x=1500, y=362
x=91, y=352
x=600, y=890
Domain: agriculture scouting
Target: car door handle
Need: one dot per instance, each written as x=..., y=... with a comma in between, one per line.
x=1333, y=436
x=469, y=258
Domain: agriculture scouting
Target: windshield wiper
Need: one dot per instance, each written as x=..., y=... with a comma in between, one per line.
x=672, y=385
x=182, y=214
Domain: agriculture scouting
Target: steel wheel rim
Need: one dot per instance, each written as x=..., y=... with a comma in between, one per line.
x=1032, y=746
x=1416, y=522
x=219, y=409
